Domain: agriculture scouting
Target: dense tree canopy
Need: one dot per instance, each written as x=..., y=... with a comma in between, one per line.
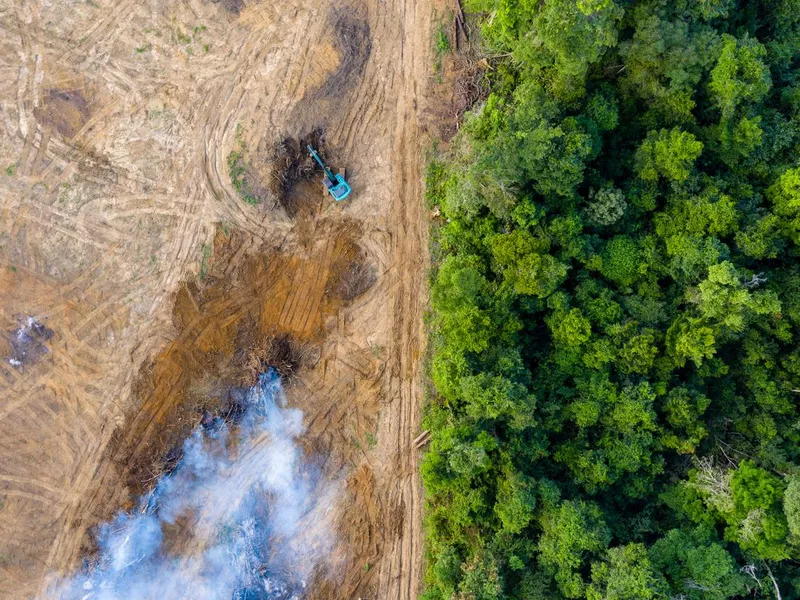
x=616, y=308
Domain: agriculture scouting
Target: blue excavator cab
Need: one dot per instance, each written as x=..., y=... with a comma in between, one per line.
x=335, y=184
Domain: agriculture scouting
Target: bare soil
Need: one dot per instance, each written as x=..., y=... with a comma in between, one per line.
x=121, y=233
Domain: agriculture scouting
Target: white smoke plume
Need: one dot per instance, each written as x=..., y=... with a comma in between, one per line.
x=251, y=514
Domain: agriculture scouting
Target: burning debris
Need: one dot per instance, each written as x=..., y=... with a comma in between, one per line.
x=251, y=510
x=28, y=342
x=280, y=352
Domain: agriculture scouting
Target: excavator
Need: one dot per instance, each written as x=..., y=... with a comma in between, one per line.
x=335, y=184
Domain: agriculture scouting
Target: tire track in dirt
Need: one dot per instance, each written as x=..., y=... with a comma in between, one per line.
x=139, y=230
x=397, y=474
x=226, y=110
x=25, y=389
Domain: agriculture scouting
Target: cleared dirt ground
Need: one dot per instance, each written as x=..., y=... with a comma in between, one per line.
x=121, y=233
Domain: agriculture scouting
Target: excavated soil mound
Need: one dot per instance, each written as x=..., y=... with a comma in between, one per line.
x=297, y=178
x=66, y=111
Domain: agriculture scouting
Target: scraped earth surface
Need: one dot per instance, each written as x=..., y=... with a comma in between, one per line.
x=147, y=289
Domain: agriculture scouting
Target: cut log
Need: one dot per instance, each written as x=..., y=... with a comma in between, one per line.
x=461, y=20
x=460, y=11
x=422, y=439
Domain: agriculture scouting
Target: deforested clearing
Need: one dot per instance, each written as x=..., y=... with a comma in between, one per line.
x=156, y=259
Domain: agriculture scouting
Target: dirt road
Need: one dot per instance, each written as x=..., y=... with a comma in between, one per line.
x=118, y=120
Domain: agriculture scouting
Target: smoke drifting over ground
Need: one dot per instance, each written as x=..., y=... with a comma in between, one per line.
x=242, y=516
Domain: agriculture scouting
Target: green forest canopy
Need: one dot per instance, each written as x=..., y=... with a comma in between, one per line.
x=616, y=308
